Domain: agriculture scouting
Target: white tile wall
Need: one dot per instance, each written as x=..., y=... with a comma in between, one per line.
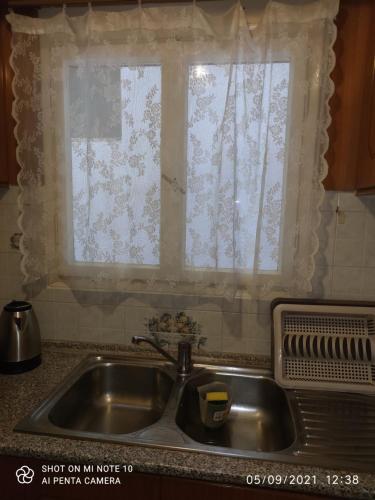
x=346, y=258
x=345, y=268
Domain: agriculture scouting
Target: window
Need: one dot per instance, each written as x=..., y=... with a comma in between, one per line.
x=119, y=177
x=208, y=97
x=116, y=171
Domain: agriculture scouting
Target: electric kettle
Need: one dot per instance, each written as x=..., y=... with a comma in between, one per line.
x=20, y=346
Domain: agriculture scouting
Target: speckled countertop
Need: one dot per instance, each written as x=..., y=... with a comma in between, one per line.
x=21, y=394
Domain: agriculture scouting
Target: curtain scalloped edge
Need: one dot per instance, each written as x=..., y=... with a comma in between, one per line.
x=327, y=119
x=24, y=253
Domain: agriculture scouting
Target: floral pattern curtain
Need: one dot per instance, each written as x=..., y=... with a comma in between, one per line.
x=173, y=148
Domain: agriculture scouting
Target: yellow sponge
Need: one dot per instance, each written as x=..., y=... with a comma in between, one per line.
x=217, y=396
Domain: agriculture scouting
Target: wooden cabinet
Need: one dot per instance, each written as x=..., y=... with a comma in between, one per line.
x=8, y=162
x=134, y=486
x=366, y=165
x=351, y=156
x=186, y=489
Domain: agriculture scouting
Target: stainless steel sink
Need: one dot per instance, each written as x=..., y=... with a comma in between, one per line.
x=142, y=402
x=259, y=419
x=105, y=399
x=113, y=398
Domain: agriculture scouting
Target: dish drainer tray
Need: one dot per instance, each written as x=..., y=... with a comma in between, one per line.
x=324, y=346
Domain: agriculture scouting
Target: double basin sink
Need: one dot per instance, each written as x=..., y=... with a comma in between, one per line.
x=143, y=402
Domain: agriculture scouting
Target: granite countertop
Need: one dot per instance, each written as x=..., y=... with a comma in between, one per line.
x=21, y=394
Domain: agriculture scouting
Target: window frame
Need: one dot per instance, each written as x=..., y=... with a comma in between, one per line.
x=167, y=270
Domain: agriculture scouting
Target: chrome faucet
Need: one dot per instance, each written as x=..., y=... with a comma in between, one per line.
x=183, y=362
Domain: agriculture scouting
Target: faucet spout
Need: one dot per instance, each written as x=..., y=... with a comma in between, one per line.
x=183, y=362
x=139, y=339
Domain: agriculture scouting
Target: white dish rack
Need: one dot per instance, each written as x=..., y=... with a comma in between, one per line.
x=326, y=347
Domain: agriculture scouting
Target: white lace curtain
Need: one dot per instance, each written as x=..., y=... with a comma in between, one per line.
x=173, y=147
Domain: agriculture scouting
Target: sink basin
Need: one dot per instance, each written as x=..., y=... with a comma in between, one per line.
x=113, y=398
x=259, y=420
x=140, y=401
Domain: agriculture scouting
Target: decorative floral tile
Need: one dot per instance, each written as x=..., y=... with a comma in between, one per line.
x=169, y=329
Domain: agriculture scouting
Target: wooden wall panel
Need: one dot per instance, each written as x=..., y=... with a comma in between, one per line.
x=4, y=173
x=8, y=163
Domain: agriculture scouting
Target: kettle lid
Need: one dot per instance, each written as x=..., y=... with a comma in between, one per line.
x=17, y=306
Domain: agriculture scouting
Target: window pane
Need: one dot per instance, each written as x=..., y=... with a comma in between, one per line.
x=95, y=101
x=236, y=126
x=116, y=181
